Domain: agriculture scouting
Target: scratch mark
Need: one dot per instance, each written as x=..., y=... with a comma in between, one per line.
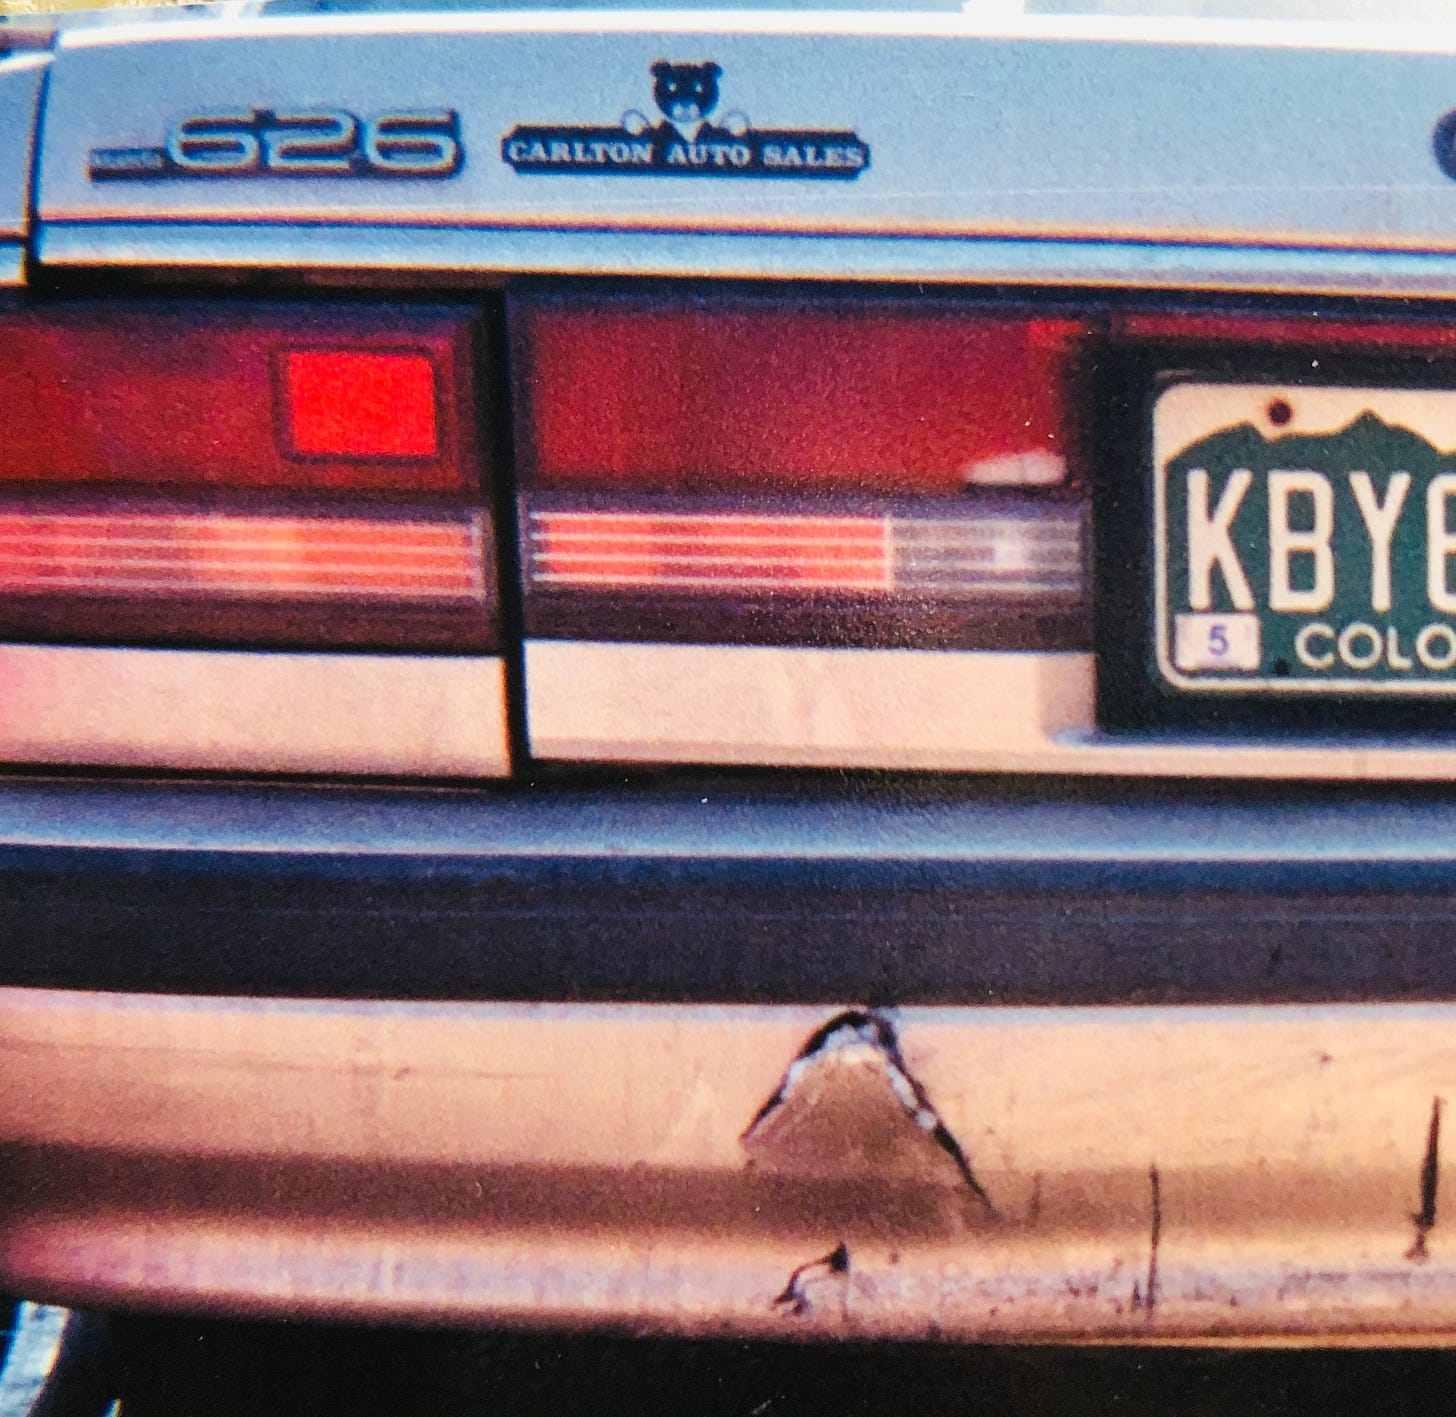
x=1033, y=1209
x=835, y=1262
x=1146, y=1296
x=1425, y=1218
x=852, y=1032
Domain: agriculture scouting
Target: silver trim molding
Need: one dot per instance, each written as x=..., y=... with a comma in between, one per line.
x=214, y=710
x=970, y=710
x=219, y=246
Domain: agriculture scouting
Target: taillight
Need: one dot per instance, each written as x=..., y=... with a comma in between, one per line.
x=1012, y=551
x=785, y=396
x=799, y=470
x=220, y=474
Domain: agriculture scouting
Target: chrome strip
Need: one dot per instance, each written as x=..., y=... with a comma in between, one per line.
x=1368, y=841
x=261, y=712
x=1055, y=263
x=587, y=1165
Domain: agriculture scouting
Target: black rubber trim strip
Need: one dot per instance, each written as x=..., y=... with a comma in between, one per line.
x=818, y=889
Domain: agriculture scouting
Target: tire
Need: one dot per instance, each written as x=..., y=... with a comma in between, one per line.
x=55, y=1363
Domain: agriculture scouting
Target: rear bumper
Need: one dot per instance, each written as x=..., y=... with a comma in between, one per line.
x=583, y=1166
x=467, y=1056
x=816, y=890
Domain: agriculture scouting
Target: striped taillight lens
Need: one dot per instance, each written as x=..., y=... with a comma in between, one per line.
x=784, y=469
x=303, y=475
x=204, y=554
x=1013, y=553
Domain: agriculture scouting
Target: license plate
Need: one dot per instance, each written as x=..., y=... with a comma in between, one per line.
x=1305, y=539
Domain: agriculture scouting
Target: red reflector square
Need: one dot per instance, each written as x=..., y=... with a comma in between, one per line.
x=348, y=403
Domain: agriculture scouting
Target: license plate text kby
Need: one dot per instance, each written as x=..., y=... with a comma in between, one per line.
x=1306, y=539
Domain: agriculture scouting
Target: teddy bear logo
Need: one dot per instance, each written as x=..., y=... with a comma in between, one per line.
x=686, y=94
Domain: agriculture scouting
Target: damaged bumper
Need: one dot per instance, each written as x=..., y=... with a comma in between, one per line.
x=705, y=1063
x=1151, y=1173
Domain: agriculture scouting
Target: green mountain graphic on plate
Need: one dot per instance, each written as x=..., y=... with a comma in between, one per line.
x=1367, y=442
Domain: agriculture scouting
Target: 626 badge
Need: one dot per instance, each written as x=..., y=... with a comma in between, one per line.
x=264, y=142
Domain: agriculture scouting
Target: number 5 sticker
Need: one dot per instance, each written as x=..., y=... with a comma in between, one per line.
x=1216, y=642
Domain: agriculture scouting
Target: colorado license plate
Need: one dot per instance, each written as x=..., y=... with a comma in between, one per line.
x=1305, y=539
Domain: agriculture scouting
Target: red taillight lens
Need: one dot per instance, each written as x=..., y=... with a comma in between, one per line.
x=726, y=551
x=293, y=398
x=172, y=471
x=816, y=470
x=795, y=397
x=1324, y=332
